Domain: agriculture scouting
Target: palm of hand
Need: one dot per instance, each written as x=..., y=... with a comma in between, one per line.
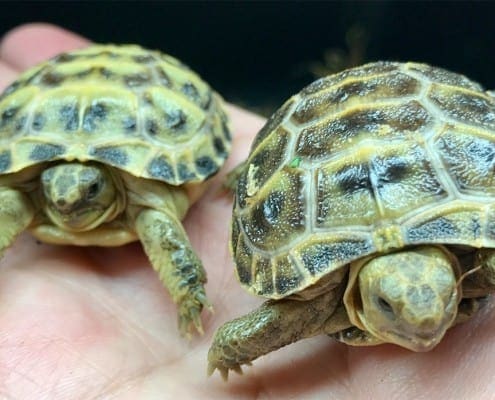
x=81, y=323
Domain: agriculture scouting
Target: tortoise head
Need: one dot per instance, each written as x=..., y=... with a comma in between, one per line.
x=79, y=197
x=408, y=298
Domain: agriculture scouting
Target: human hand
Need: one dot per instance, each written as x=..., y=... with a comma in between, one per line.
x=95, y=323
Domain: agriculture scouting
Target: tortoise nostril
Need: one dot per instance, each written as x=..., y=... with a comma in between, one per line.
x=61, y=202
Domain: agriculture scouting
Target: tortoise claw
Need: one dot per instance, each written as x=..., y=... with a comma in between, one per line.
x=223, y=370
x=190, y=314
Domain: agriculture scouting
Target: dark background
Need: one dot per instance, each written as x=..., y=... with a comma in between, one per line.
x=259, y=53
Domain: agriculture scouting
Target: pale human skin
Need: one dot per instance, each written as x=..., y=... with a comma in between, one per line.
x=96, y=323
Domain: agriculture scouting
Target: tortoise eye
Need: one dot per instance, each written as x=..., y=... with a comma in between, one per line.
x=93, y=190
x=385, y=305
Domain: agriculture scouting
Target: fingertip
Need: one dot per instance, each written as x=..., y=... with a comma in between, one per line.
x=244, y=120
x=245, y=125
x=29, y=44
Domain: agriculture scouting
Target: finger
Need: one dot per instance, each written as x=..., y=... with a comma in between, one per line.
x=7, y=75
x=245, y=125
x=30, y=44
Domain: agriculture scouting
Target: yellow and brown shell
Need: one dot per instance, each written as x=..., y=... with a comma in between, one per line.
x=140, y=111
x=372, y=159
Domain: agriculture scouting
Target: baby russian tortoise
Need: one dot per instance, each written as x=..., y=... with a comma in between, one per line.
x=365, y=211
x=111, y=144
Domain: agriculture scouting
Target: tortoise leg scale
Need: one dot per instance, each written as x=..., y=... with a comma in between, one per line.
x=480, y=281
x=273, y=325
x=179, y=268
x=16, y=214
x=477, y=284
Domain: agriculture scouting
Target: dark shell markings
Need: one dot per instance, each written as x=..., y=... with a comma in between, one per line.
x=369, y=160
x=141, y=111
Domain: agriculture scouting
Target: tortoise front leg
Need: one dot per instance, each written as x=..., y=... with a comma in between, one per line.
x=16, y=214
x=340, y=328
x=276, y=323
x=477, y=284
x=179, y=268
x=481, y=281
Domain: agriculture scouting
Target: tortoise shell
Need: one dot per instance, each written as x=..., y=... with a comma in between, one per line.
x=140, y=111
x=366, y=161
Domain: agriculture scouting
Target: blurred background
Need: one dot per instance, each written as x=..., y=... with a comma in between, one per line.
x=259, y=53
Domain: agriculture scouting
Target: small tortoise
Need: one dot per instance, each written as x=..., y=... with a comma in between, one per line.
x=365, y=211
x=111, y=144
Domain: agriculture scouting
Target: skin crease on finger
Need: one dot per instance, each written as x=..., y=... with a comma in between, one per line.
x=95, y=323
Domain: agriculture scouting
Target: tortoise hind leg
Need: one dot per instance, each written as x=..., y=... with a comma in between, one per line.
x=276, y=323
x=16, y=214
x=179, y=268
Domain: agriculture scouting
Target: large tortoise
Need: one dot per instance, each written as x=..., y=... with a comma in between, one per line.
x=107, y=145
x=365, y=211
